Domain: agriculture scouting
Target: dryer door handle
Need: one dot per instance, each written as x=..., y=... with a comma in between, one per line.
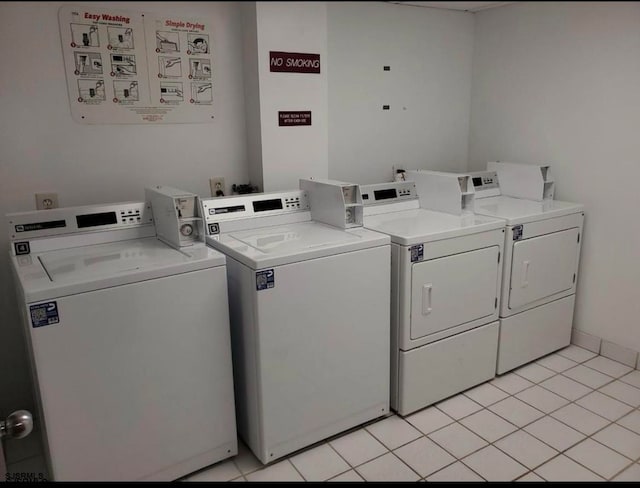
x=426, y=298
x=525, y=274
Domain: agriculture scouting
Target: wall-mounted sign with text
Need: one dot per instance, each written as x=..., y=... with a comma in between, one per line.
x=294, y=62
x=294, y=118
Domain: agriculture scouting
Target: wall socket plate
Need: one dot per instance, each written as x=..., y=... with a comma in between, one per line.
x=217, y=184
x=46, y=201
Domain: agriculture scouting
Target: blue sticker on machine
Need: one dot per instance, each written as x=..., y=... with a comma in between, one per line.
x=265, y=279
x=44, y=314
x=417, y=252
x=517, y=232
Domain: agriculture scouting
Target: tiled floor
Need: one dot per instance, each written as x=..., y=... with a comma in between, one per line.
x=569, y=416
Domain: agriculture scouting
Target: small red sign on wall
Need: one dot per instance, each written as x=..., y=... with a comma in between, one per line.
x=294, y=62
x=294, y=118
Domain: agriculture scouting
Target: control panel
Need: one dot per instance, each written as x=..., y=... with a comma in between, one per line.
x=222, y=209
x=485, y=183
x=77, y=220
x=398, y=191
x=177, y=215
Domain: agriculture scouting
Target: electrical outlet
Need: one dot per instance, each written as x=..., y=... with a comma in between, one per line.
x=217, y=186
x=46, y=201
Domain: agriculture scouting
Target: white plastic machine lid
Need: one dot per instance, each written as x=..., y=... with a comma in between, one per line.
x=393, y=209
x=60, y=265
x=489, y=201
x=518, y=211
x=266, y=230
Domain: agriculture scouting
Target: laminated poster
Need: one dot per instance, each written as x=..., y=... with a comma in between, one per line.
x=127, y=67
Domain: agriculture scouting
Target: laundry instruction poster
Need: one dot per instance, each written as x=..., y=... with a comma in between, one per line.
x=127, y=67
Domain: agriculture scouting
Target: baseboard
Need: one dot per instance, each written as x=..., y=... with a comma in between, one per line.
x=605, y=348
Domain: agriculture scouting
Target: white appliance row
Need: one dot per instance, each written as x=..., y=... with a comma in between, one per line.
x=334, y=302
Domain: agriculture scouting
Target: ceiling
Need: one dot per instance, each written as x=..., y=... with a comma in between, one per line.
x=469, y=6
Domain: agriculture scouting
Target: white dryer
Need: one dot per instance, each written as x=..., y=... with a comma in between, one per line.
x=129, y=344
x=446, y=272
x=309, y=308
x=542, y=255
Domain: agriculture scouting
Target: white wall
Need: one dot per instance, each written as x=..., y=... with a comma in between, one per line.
x=428, y=89
x=43, y=149
x=291, y=153
x=560, y=83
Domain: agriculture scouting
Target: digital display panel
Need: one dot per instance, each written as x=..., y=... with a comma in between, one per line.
x=265, y=205
x=477, y=181
x=94, y=220
x=385, y=194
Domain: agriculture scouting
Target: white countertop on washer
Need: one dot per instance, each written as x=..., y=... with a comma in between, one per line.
x=520, y=211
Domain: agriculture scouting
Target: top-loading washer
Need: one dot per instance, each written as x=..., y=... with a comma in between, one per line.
x=542, y=254
x=309, y=309
x=445, y=282
x=128, y=341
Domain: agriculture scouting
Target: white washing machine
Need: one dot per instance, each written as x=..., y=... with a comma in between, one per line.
x=309, y=308
x=129, y=344
x=446, y=272
x=542, y=253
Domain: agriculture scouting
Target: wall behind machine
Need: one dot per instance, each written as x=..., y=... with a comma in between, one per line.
x=429, y=53
x=42, y=149
x=558, y=83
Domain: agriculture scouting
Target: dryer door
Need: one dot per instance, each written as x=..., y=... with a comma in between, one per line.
x=543, y=266
x=453, y=290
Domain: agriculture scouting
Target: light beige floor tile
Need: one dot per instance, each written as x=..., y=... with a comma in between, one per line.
x=458, y=440
x=633, y=378
x=598, y=458
x=494, y=465
x=623, y=392
x=223, y=471
x=631, y=421
x=621, y=440
x=554, y=433
x=556, y=362
x=578, y=354
x=358, y=447
x=587, y=376
x=511, y=383
x=319, y=463
x=424, y=456
x=488, y=425
x=429, y=419
x=608, y=366
x=281, y=471
x=530, y=477
x=562, y=468
x=526, y=449
x=350, y=475
x=394, y=432
x=580, y=418
x=459, y=406
x=630, y=474
x=542, y=399
x=486, y=394
x=516, y=411
x=566, y=387
x=604, y=406
x=246, y=460
x=387, y=468
x=534, y=372
x=455, y=472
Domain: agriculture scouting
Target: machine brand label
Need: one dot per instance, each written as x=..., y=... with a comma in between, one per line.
x=52, y=224
x=517, y=232
x=44, y=314
x=417, y=252
x=214, y=229
x=265, y=279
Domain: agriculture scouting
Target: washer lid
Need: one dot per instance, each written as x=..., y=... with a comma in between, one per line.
x=520, y=211
x=290, y=243
x=87, y=268
x=409, y=227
